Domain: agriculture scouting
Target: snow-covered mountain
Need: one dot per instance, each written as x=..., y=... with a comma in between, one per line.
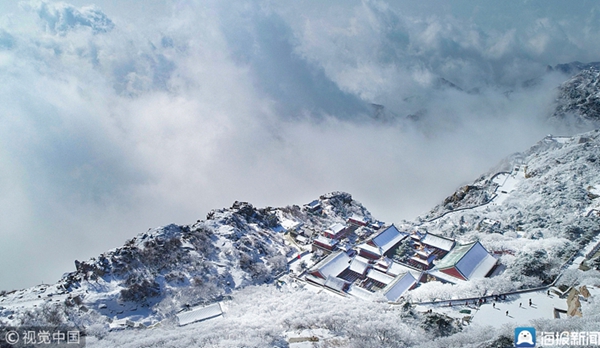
x=541, y=202
x=534, y=211
x=537, y=212
x=163, y=270
x=573, y=68
x=580, y=96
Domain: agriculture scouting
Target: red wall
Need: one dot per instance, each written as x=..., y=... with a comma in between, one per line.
x=453, y=272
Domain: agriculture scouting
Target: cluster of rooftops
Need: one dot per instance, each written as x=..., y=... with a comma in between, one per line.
x=372, y=266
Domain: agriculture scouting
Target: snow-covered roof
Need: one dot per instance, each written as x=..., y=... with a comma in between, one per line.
x=379, y=276
x=471, y=260
x=332, y=265
x=370, y=248
x=438, y=242
x=483, y=267
x=326, y=241
x=199, y=314
x=314, y=204
x=314, y=279
x=361, y=259
x=389, y=237
x=359, y=265
x=384, y=262
x=361, y=293
x=424, y=252
x=359, y=219
x=445, y=277
x=399, y=286
x=335, y=283
x=376, y=224
x=454, y=256
x=290, y=224
x=490, y=222
x=336, y=228
x=301, y=239
x=420, y=260
x=397, y=269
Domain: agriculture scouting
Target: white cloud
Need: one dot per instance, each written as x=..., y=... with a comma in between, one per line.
x=115, y=117
x=61, y=17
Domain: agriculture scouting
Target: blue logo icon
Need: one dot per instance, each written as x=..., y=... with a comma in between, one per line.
x=524, y=337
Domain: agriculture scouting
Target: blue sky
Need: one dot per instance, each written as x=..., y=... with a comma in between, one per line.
x=120, y=116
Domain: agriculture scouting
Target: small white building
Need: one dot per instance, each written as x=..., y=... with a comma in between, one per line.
x=325, y=243
x=357, y=221
x=335, y=231
x=200, y=314
x=314, y=206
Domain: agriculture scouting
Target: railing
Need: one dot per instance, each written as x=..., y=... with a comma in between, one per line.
x=474, y=206
x=593, y=251
x=509, y=293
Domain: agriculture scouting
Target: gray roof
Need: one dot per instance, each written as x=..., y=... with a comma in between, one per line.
x=199, y=314
x=314, y=203
x=471, y=260
x=325, y=240
x=389, y=237
x=379, y=276
x=438, y=242
x=336, y=227
x=399, y=286
x=335, y=283
x=332, y=265
x=358, y=265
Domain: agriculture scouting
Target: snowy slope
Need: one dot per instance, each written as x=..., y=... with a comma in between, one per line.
x=167, y=269
x=549, y=189
x=536, y=215
x=580, y=96
x=533, y=212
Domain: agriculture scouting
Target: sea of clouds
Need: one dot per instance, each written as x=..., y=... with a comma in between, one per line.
x=120, y=116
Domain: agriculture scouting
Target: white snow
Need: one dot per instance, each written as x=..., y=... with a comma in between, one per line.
x=437, y=242
x=476, y=263
x=200, y=314
x=359, y=265
x=397, y=269
x=361, y=293
x=519, y=311
x=289, y=224
x=336, y=228
x=379, y=276
x=333, y=264
x=399, y=286
x=388, y=238
x=527, y=214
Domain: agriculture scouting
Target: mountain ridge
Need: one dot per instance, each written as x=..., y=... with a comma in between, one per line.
x=534, y=211
x=197, y=263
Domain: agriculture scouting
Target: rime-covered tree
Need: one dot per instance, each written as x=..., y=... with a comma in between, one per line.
x=404, y=250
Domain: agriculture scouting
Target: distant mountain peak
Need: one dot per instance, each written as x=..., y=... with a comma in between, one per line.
x=573, y=68
x=580, y=96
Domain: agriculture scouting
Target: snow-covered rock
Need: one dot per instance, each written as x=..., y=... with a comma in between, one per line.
x=579, y=97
